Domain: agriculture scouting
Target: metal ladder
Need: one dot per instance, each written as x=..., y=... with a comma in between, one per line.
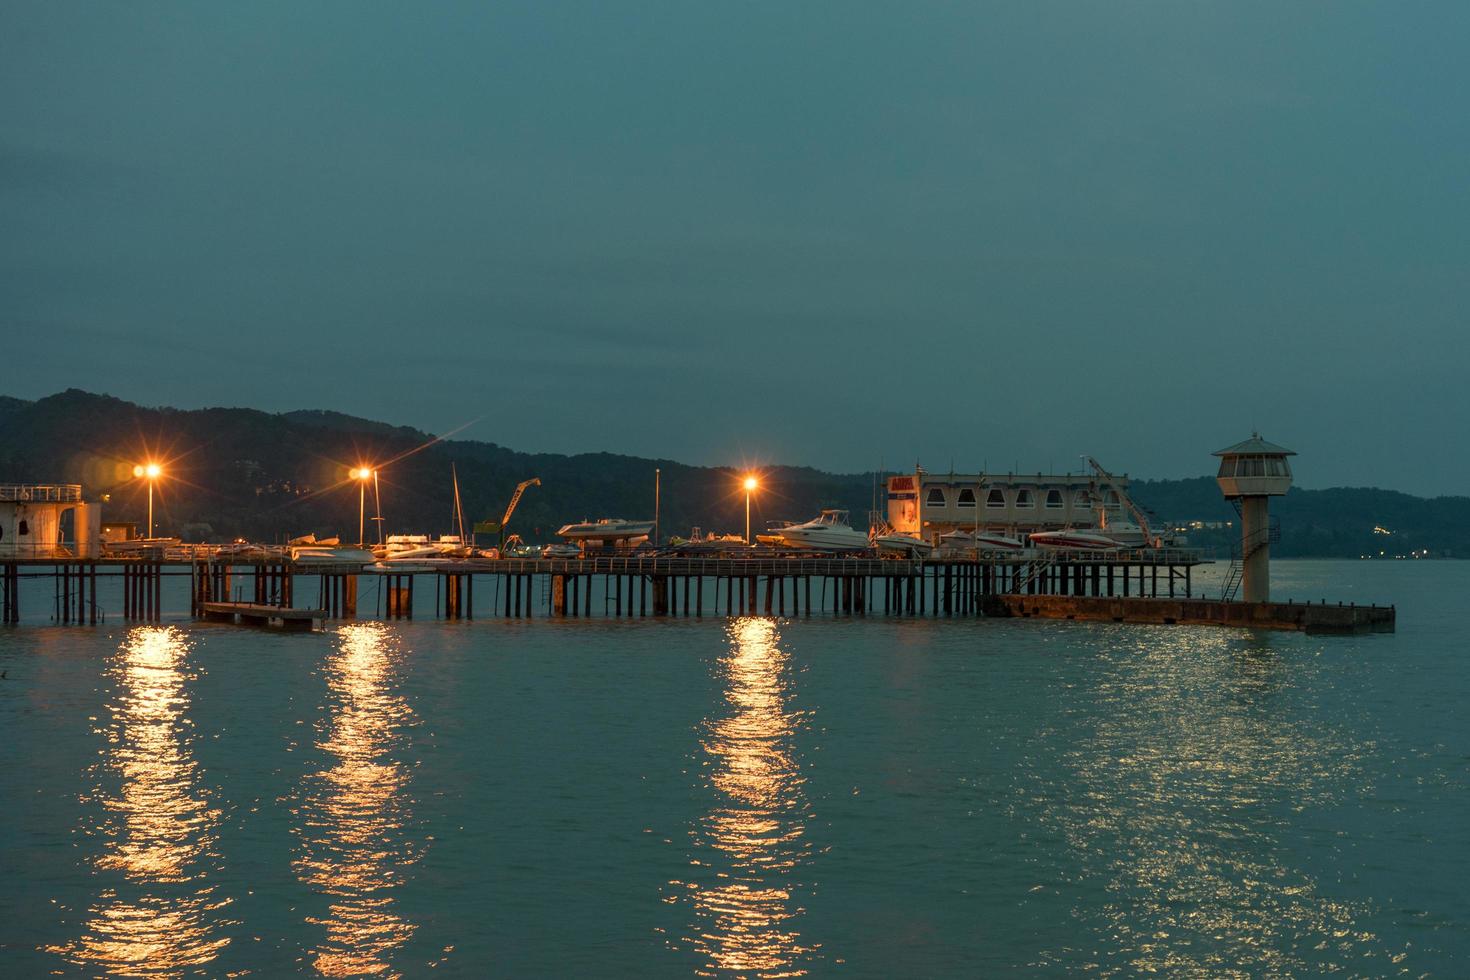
x=1242, y=550
x=1033, y=571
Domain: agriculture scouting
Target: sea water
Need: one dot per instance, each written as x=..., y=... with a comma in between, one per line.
x=755, y=797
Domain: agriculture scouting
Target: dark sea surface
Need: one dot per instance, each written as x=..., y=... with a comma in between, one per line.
x=757, y=797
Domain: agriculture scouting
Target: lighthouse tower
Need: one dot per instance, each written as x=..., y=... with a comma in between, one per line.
x=1251, y=472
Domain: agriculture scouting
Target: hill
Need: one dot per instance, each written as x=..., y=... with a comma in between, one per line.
x=239, y=472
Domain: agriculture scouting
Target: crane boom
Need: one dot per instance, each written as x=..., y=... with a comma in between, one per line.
x=1133, y=509
x=515, y=499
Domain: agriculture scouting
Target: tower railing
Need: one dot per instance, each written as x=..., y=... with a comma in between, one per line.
x=41, y=493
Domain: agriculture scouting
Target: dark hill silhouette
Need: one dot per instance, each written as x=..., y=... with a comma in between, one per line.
x=239, y=472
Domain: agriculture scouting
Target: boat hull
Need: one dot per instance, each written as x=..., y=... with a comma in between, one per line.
x=902, y=544
x=1074, y=541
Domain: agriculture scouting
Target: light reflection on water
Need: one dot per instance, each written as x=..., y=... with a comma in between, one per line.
x=751, y=845
x=354, y=815
x=157, y=915
x=1178, y=798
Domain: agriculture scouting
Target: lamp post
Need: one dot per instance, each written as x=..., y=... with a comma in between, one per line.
x=751, y=484
x=152, y=471
x=361, y=474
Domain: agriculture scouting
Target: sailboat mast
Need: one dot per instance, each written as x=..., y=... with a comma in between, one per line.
x=458, y=510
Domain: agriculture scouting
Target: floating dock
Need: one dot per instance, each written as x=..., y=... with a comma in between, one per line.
x=255, y=614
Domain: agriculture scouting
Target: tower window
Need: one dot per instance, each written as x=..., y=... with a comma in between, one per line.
x=967, y=498
x=996, y=498
x=1054, y=499
x=1025, y=499
x=935, y=497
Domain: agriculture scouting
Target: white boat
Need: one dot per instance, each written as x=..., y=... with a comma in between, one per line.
x=607, y=529
x=311, y=540
x=419, y=548
x=326, y=555
x=1074, y=540
x=982, y=540
x=561, y=551
x=904, y=545
x=827, y=532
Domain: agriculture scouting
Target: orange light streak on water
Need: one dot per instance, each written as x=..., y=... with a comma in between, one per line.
x=354, y=813
x=746, y=922
x=160, y=832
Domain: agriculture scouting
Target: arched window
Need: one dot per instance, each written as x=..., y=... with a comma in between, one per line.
x=935, y=497
x=1054, y=499
x=967, y=498
x=995, y=498
x=1025, y=499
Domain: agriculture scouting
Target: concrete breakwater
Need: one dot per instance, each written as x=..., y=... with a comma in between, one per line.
x=1304, y=617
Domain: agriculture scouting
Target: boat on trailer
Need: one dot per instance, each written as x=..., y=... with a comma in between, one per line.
x=980, y=540
x=827, y=532
x=903, y=545
x=606, y=529
x=1074, y=540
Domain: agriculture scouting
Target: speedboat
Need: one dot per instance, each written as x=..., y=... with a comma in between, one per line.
x=1074, y=540
x=980, y=540
x=903, y=545
x=772, y=535
x=607, y=529
x=827, y=532
x=561, y=551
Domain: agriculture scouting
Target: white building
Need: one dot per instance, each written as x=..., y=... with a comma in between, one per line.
x=48, y=521
x=931, y=504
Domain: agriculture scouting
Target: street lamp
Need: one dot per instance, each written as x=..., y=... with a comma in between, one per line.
x=361, y=474
x=152, y=471
x=751, y=485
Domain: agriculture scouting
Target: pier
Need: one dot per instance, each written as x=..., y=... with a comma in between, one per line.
x=1139, y=586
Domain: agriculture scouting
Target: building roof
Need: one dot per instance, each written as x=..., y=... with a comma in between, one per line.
x=1255, y=446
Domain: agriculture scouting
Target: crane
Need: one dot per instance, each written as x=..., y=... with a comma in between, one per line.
x=1138, y=516
x=515, y=499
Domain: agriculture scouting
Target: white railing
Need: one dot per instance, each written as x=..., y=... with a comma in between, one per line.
x=46, y=493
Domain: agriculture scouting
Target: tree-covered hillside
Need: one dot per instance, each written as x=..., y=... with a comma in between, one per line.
x=234, y=472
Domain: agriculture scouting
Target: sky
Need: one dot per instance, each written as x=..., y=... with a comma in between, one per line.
x=843, y=235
